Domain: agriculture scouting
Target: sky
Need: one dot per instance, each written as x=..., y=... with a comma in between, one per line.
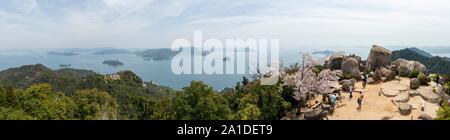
x=156, y=23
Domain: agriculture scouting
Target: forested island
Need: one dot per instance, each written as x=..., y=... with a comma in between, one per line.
x=114, y=63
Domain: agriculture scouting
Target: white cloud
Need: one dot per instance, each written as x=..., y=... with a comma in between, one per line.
x=155, y=23
x=126, y=7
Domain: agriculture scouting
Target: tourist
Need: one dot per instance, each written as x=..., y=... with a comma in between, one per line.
x=350, y=89
x=364, y=81
x=360, y=98
x=437, y=80
x=332, y=101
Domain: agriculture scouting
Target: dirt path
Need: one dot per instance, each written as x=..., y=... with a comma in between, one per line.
x=377, y=107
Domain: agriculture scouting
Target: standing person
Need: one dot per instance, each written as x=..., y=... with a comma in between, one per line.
x=360, y=98
x=350, y=89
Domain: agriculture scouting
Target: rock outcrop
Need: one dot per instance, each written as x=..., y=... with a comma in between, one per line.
x=414, y=83
x=335, y=61
x=405, y=67
x=431, y=97
x=351, y=66
x=378, y=57
x=346, y=84
x=404, y=108
x=413, y=93
x=424, y=116
x=385, y=74
x=392, y=89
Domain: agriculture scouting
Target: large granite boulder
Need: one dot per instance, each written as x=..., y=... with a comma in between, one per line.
x=385, y=74
x=405, y=67
x=347, y=83
x=376, y=76
x=378, y=57
x=414, y=83
x=404, y=108
x=334, y=62
x=351, y=66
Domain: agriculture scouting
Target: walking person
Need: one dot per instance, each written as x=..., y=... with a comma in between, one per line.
x=364, y=81
x=350, y=89
x=437, y=80
x=360, y=98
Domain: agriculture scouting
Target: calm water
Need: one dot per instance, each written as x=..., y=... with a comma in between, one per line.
x=158, y=72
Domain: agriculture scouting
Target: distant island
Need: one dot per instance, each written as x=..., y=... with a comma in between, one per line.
x=113, y=51
x=157, y=54
x=62, y=53
x=113, y=63
x=64, y=65
x=148, y=54
x=325, y=52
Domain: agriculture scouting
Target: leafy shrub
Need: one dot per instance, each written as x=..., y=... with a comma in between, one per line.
x=348, y=76
x=414, y=74
x=447, y=87
x=424, y=79
x=433, y=77
x=444, y=112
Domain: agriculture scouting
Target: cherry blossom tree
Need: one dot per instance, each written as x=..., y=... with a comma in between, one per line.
x=308, y=82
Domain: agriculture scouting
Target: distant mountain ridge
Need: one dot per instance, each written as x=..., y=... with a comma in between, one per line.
x=25, y=76
x=435, y=64
x=422, y=52
x=125, y=86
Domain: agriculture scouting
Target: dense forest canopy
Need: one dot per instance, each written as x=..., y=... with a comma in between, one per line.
x=38, y=93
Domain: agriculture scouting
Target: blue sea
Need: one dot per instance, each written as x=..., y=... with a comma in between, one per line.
x=158, y=72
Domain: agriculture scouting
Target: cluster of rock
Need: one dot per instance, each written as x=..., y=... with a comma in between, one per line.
x=347, y=64
x=381, y=69
x=401, y=94
x=378, y=63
